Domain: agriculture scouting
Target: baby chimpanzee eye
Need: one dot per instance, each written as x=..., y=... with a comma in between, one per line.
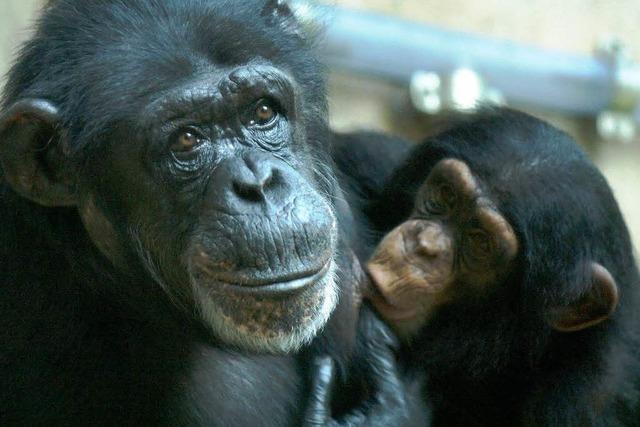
x=480, y=244
x=441, y=199
x=447, y=195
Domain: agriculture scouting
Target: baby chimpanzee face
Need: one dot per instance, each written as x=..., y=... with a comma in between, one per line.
x=455, y=244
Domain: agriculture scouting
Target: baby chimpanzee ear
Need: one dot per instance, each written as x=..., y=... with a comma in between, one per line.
x=32, y=153
x=596, y=305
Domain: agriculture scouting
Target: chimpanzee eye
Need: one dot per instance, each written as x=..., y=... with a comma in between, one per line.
x=441, y=199
x=433, y=205
x=480, y=244
x=264, y=114
x=185, y=140
x=447, y=195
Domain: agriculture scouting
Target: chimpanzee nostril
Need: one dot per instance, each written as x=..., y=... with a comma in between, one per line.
x=253, y=192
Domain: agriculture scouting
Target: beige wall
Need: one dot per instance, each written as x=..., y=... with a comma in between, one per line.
x=15, y=17
x=568, y=25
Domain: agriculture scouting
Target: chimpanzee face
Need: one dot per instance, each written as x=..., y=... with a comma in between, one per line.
x=215, y=186
x=223, y=207
x=456, y=244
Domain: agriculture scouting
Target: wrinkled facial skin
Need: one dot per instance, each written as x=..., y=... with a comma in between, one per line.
x=225, y=207
x=455, y=244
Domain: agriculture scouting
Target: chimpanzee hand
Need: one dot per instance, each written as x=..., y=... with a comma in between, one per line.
x=386, y=407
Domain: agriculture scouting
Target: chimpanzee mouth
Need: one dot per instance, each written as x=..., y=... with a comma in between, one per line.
x=391, y=311
x=275, y=285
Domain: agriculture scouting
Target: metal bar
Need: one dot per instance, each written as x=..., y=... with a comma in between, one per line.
x=394, y=49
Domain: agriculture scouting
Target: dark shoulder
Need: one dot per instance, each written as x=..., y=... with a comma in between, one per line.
x=366, y=159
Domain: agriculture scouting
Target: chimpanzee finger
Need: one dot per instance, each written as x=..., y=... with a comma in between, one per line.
x=318, y=412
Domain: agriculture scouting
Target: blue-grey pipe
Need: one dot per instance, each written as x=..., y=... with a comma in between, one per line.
x=394, y=49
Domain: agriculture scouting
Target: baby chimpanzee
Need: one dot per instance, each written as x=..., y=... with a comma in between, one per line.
x=512, y=281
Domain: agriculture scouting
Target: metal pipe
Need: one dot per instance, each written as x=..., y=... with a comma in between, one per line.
x=394, y=49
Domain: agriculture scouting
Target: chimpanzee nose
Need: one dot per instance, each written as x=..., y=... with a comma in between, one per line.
x=253, y=178
x=253, y=183
x=433, y=241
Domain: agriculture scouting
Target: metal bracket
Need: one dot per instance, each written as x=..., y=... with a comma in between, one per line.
x=620, y=121
x=463, y=90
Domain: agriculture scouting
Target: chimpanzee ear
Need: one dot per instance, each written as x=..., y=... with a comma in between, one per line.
x=32, y=155
x=278, y=12
x=595, y=306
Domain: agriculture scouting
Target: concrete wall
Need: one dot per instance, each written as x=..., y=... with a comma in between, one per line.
x=568, y=25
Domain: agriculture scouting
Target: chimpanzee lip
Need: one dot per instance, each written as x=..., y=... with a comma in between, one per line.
x=389, y=310
x=277, y=285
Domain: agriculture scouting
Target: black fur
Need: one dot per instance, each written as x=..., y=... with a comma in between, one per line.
x=364, y=162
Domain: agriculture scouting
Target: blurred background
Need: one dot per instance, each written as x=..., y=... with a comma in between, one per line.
x=399, y=65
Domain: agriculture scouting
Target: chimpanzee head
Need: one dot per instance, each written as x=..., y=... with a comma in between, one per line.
x=456, y=244
x=510, y=221
x=188, y=135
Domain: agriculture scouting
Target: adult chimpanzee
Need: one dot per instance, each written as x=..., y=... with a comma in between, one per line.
x=511, y=279
x=168, y=206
